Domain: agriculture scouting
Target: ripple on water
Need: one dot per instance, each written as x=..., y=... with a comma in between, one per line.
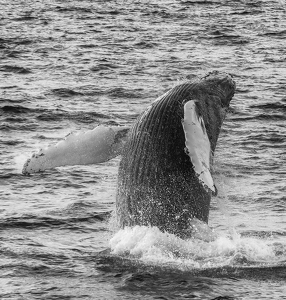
x=69, y=66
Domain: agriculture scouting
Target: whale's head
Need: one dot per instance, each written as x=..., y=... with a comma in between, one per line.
x=220, y=84
x=213, y=94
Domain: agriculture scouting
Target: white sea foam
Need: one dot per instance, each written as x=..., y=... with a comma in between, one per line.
x=150, y=245
x=19, y=161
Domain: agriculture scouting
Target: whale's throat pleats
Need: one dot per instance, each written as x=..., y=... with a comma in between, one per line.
x=156, y=177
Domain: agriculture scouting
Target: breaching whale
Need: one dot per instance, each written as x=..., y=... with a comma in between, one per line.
x=164, y=176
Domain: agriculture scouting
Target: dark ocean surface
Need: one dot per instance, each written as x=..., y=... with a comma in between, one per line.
x=71, y=65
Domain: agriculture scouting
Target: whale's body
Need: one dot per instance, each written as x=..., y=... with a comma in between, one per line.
x=164, y=177
x=157, y=182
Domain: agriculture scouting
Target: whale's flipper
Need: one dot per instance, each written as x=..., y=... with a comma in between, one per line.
x=95, y=146
x=197, y=144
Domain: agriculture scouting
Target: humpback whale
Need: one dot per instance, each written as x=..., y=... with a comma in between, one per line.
x=164, y=176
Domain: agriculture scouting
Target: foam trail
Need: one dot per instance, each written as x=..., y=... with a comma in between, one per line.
x=95, y=146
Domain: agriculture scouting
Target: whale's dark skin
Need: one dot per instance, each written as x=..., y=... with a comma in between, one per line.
x=157, y=185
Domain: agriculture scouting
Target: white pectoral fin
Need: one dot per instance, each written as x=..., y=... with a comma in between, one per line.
x=198, y=144
x=95, y=146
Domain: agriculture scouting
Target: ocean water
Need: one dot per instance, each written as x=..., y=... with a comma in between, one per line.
x=68, y=66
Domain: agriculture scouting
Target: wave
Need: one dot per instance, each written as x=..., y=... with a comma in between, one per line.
x=170, y=282
x=143, y=272
x=272, y=139
x=120, y=92
x=18, y=109
x=84, y=117
x=38, y=222
x=14, y=69
x=222, y=38
x=7, y=126
x=6, y=43
x=44, y=115
x=74, y=9
x=276, y=33
x=270, y=106
x=65, y=92
x=203, y=2
x=104, y=66
x=264, y=116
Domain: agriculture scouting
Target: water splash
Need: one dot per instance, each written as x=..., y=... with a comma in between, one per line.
x=150, y=245
x=19, y=161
